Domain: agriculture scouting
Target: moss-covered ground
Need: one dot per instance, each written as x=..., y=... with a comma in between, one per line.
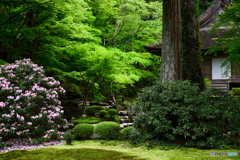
x=90, y=120
x=114, y=150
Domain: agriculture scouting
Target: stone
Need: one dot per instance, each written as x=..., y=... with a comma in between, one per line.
x=127, y=124
x=125, y=117
x=122, y=126
x=124, y=120
x=98, y=103
x=73, y=118
x=130, y=109
x=107, y=107
x=80, y=103
x=122, y=113
x=121, y=117
x=97, y=114
x=66, y=126
x=93, y=136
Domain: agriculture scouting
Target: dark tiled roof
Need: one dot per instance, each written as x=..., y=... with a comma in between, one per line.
x=205, y=19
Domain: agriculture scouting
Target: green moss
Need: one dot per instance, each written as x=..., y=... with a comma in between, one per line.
x=112, y=112
x=67, y=154
x=102, y=113
x=89, y=120
x=235, y=92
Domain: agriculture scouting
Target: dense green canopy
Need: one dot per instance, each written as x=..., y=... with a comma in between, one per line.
x=92, y=47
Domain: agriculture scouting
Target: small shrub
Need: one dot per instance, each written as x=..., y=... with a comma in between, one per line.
x=107, y=130
x=207, y=82
x=83, y=131
x=112, y=112
x=91, y=110
x=68, y=137
x=102, y=113
x=117, y=119
x=126, y=132
x=124, y=105
x=235, y=92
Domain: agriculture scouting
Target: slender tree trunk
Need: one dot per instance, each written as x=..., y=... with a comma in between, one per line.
x=85, y=103
x=123, y=7
x=170, y=65
x=191, y=51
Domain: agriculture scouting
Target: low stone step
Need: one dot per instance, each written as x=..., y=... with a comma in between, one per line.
x=219, y=85
x=125, y=120
x=122, y=113
x=93, y=136
x=127, y=124
x=122, y=117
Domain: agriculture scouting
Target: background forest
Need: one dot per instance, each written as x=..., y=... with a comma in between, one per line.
x=93, y=47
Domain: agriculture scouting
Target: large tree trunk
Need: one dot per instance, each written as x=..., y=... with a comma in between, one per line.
x=191, y=51
x=170, y=65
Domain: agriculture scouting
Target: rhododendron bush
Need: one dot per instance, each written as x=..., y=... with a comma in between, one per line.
x=29, y=106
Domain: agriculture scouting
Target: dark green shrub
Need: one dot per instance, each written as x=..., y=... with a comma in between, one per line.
x=91, y=110
x=68, y=137
x=102, y=113
x=124, y=105
x=83, y=131
x=112, y=112
x=107, y=130
x=126, y=132
x=179, y=109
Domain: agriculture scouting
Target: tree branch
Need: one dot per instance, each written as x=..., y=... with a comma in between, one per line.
x=20, y=13
x=131, y=37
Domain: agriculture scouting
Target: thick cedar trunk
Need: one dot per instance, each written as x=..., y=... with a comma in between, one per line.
x=170, y=67
x=191, y=51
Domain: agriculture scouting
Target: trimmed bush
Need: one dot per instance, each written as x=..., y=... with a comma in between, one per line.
x=83, y=131
x=102, y=113
x=91, y=110
x=126, y=132
x=179, y=110
x=107, y=130
x=112, y=112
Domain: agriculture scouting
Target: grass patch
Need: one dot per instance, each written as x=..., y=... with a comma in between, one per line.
x=89, y=120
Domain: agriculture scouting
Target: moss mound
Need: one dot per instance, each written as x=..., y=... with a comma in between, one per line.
x=91, y=110
x=83, y=131
x=107, y=130
x=126, y=132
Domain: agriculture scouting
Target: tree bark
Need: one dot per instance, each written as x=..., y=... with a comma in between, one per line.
x=85, y=103
x=191, y=51
x=123, y=7
x=170, y=65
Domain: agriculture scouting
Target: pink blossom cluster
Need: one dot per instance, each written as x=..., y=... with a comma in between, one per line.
x=20, y=100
